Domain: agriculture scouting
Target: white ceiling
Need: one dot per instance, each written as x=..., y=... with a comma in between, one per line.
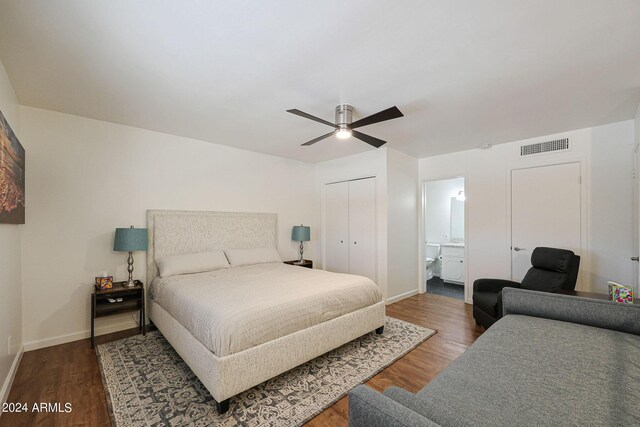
x=464, y=73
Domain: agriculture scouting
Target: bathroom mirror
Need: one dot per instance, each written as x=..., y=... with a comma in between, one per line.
x=457, y=220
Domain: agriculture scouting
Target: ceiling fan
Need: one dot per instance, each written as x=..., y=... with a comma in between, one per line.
x=344, y=128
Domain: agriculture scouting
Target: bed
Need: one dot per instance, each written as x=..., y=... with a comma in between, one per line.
x=238, y=327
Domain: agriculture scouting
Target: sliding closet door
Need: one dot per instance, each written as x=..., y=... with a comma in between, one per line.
x=362, y=227
x=336, y=222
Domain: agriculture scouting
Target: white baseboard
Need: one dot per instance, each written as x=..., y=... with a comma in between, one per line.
x=75, y=336
x=402, y=296
x=8, y=382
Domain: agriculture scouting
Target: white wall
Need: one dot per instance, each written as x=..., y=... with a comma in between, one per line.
x=369, y=163
x=10, y=253
x=611, y=225
x=605, y=153
x=402, y=228
x=87, y=177
x=437, y=218
x=396, y=213
x=637, y=125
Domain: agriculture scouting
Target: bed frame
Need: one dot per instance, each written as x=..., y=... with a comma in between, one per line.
x=184, y=232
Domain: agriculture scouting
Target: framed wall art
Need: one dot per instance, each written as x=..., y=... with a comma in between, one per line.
x=12, y=163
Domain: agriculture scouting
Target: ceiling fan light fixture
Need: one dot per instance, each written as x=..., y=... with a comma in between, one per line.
x=344, y=127
x=343, y=133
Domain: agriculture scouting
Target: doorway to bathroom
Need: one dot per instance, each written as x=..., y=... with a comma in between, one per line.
x=444, y=237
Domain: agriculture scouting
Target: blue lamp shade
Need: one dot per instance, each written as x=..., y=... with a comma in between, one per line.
x=301, y=233
x=130, y=239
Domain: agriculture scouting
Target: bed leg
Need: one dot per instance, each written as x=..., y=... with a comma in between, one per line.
x=223, y=406
x=380, y=330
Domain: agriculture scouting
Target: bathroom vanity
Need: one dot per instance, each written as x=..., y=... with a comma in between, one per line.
x=452, y=258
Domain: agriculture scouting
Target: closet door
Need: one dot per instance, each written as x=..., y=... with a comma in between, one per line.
x=336, y=222
x=362, y=227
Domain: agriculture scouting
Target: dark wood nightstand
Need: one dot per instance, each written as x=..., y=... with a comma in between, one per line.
x=132, y=300
x=305, y=263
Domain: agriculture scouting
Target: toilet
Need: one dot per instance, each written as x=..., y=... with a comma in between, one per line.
x=432, y=252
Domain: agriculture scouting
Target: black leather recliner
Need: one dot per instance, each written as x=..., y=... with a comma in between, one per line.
x=552, y=270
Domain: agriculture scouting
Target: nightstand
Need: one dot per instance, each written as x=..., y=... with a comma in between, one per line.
x=305, y=263
x=132, y=300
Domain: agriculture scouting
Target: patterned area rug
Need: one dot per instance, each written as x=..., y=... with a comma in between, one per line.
x=148, y=384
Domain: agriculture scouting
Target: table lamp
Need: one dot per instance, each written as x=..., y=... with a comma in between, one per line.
x=301, y=234
x=130, y=240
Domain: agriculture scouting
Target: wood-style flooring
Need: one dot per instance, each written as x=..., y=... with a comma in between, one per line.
x=70, y=373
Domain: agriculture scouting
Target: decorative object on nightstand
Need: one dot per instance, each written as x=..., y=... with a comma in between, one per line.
x=104, y=281
x=301, y=233
x=117, y=300
x=620, y=293
x=305, y=263
x=130, y=240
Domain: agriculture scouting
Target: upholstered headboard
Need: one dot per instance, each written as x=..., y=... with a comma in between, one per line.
x=186, y=232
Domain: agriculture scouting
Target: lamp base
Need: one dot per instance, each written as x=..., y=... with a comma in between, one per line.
x=301, y=260
x=130, y=283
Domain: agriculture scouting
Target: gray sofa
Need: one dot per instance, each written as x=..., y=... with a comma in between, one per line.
x=552, y=360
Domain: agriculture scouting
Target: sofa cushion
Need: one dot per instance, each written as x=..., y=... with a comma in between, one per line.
x=540, y=372
x=585, y=311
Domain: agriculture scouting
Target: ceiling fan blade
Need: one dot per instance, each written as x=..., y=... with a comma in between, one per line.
x=368, y=139
x=320, y=138
x=388, y=114
x=310, y=117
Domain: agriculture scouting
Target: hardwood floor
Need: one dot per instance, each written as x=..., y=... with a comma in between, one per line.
x=70, y=373
x=456, y=331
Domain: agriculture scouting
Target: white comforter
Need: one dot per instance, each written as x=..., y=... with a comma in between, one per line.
x=235, y=309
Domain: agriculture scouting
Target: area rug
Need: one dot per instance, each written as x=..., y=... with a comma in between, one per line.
x=148, y=384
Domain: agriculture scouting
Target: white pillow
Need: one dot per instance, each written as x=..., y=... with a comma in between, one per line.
x=240, y=257
x=172, y=265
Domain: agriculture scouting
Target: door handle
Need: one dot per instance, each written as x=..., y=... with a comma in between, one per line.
x=635, y=258
x=517, y=249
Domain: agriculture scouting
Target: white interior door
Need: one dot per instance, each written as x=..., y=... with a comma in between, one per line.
x=336, y=217
x=545, y=211
x=362, y=227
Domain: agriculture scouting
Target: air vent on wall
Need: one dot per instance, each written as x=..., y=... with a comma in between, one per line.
x=543, y=147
